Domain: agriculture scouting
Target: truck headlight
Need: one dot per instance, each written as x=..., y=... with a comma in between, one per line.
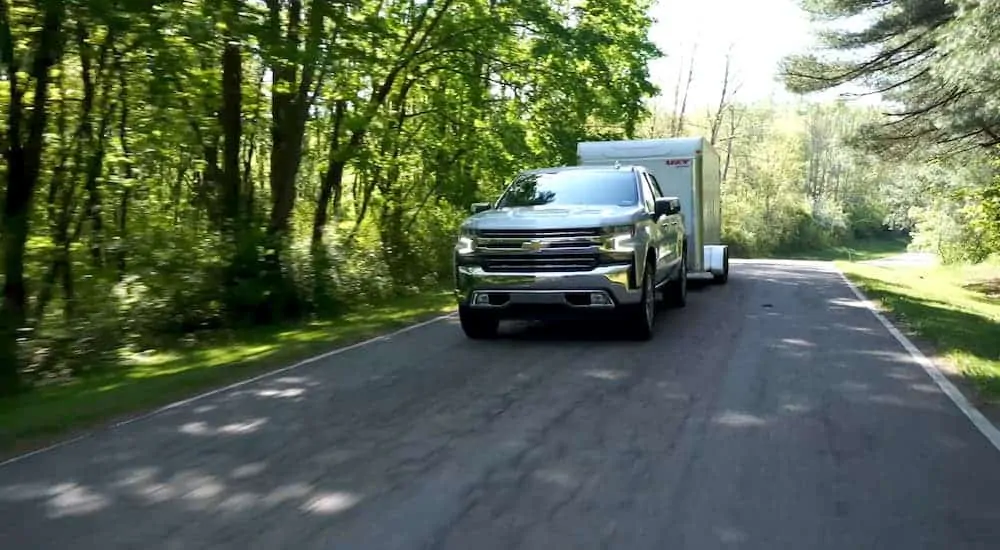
x=620, y=237
x=466, y=243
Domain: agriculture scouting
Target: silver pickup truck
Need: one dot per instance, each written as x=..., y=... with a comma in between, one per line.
x=569, y=242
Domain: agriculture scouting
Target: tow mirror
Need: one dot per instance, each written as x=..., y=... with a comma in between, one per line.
x=666, y=206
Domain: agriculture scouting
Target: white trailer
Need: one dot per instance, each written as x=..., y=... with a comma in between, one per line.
x=687, y=168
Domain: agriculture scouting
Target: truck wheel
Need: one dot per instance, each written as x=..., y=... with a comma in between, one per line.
x=643, y=315
x=677, y=292
x=478, y=325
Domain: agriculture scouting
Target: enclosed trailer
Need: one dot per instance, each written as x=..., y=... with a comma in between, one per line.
x=687, y=168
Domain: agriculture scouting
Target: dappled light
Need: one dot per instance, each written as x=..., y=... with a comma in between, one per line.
x=729, y=535
x=60, y=500
x=897, y=357
x=734, y=419
x=567, y=435
x=249, y=470
x=236, y=236
x=843, y=302
x=557, y=477
x=797, y=342
x=850, y=328
x=905, y=374
x=853, y=386
x=796, y=408
x=606, y=374
x=287, y=392
x=70, y=499
x=192, y=489
x=204, y=429
x=927, y=388
x=330, y=503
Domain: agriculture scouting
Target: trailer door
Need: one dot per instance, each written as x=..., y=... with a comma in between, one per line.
x=676, y=177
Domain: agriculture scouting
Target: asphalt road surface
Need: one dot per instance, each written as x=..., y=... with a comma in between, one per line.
x=774, y=412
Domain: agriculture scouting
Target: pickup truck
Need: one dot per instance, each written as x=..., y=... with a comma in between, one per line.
x=572, y=242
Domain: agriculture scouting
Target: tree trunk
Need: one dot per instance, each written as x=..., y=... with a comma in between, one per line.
x=23, y=167
x=123, y=205
x=333, y=180
x=232, y=130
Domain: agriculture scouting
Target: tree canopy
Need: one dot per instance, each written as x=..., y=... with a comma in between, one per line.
x=175, y=169
x=172, y=166
x=935, y=63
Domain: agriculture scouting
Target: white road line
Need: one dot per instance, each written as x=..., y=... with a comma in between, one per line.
x=189, y=400
x=981, y=423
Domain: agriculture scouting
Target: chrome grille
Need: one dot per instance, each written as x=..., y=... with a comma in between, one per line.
x=539, y=233
x=539, y=250
x=525, y=263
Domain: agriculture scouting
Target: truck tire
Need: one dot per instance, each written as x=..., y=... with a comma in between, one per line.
x=676, y=292
x=477, y=325
x=642, y=316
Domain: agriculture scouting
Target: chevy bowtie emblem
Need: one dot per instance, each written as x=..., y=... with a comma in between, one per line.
x=534, y=245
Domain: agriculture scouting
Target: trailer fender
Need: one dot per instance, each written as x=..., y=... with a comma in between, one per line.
x=717, y=260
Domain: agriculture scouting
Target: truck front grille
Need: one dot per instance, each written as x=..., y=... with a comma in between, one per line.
x=515, y=240
x=539, y=263
x=539, y=250
x=527, y=234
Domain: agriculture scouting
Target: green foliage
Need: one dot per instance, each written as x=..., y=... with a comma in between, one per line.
x=793, y=181
x=215, y=164
x=936, y=61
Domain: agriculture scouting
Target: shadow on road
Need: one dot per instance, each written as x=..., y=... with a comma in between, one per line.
x=765, y=411
x=600, y=330
x=947, y=329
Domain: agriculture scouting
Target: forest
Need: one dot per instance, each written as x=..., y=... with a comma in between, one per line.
x=181, y=167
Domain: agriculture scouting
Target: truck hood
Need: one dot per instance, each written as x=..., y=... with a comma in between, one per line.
x=553, y=217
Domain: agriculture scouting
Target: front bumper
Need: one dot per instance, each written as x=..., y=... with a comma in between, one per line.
x=530, y=294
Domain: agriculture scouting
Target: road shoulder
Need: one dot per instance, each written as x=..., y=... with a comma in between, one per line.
x=981, y=410
x=42, y=420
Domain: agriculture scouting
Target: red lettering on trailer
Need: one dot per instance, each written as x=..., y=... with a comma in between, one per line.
x=678, y=162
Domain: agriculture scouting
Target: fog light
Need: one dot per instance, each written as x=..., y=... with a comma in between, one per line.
x=599, y=299
x=482, y=300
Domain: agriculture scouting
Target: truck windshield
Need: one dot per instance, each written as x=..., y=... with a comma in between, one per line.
x=583, y=187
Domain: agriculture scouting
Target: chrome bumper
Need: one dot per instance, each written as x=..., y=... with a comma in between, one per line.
x=541, y=289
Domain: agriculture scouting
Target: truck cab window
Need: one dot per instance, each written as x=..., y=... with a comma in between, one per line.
x=572, y=187
x=648, y=195
x=657, y=191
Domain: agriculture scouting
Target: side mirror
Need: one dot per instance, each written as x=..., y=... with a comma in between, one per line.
x=666, y=206
x=478, y=207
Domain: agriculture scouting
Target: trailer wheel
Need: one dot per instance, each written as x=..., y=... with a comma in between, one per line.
x=724, y=278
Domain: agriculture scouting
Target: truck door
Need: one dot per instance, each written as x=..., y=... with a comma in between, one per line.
x=665, y=231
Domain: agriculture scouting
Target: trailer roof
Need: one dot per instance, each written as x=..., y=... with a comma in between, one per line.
x=643, y=148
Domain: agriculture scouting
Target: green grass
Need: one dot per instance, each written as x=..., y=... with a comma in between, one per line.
x=956, y=309
x=155, y=379
x=861, y=250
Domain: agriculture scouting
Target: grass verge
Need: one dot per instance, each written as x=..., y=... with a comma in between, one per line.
x=152, y=380
x=955, y=309
x=862, y=250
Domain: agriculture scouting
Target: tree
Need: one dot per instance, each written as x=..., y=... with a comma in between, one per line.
x=217, y=163
x=931, y=59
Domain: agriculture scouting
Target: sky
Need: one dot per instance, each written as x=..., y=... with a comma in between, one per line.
x=760, y=33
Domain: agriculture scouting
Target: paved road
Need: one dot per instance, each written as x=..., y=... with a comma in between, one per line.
x=774, y=412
